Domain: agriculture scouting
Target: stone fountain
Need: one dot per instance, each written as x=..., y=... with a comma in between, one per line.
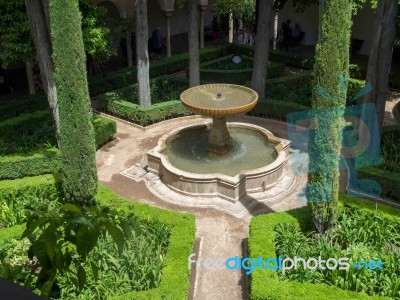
x=219, y=159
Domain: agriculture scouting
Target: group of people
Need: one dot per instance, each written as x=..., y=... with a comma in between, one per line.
x=288, y=35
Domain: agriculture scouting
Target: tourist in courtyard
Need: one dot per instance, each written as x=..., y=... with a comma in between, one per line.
x=286, y=33
x=215, y=29
x=157, y=41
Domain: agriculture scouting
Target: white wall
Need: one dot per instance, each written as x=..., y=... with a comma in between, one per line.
x=362, y=24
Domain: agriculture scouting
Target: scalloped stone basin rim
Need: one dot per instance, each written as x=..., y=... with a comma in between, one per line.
x=231, y=188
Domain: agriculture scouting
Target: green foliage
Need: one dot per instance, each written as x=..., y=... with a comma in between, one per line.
x=293, y=88
x=175, y=275
x=27, y=144
x=276, y=108
x=26, y=104
x=76, y=134
x=96, y=36
x=240, y=9
x=145, y=115
x=58, y=235
x=138, y=268
x=225, y=71
x=165, y=91
x=173, y=64
x=362, y=235
x=387, y=174
x=15, y=33
x=26, y=132
x=266, y=284
x=331, y=66
x=14, y=210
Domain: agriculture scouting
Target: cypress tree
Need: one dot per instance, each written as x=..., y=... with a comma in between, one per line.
x=328, y=101
x=77, y=143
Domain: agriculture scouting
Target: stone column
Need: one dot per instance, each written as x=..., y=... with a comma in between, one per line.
x=202, y=9
x=168, y=15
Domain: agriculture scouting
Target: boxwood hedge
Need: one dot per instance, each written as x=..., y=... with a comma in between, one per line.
x=40, y=161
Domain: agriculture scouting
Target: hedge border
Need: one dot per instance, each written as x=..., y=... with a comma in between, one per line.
x=46, y=161
x=266, y=284
x=175, y=274
x=173, y=64
x=239, y=76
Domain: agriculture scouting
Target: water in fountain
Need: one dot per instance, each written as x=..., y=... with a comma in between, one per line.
x=249, y=150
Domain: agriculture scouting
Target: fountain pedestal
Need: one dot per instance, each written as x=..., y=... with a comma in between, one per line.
x=219, y=137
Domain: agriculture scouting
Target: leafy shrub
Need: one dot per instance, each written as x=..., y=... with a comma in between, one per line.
x=361, y=235
x=180, y=228
x=267, y=285
x=276, y=108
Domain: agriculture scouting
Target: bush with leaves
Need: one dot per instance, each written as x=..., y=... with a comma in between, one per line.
x=360, y=235
x=59, y=235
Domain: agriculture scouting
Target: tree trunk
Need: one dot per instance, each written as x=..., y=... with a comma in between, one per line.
x=330, y=69
x=142, y=53
x=38, y=14
x=29, y=74
x=129, y=48
x=230, y=25
x=275, y=30
x=265, y=18
x=194, y=56
x=380, y=58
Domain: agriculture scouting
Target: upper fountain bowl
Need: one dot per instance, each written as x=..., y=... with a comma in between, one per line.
x=219, y=100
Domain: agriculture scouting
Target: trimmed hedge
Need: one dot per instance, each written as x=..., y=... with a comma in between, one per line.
x=44, y=161
x=27, y=122
x=266, y=284
x=27, y=104
x=237, y=76
x=76, y=133
x=146, y=115
x=173, y=64
x=294, y=88
x=276, y=108
x=389, y=181
x=175, y=274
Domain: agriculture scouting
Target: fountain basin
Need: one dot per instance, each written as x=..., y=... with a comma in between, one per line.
x=213, y=184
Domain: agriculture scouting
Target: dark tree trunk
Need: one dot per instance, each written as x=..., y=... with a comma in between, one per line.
x=38, y=14
x=265, y=18
x=194, y=56
x=142, y=53
x=380, y=57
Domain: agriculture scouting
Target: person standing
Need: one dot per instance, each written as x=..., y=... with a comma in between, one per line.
x=286, y=35
x=157, y=41
x=215, y=29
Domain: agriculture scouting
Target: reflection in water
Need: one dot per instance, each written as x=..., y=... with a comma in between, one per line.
x=250, y=149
